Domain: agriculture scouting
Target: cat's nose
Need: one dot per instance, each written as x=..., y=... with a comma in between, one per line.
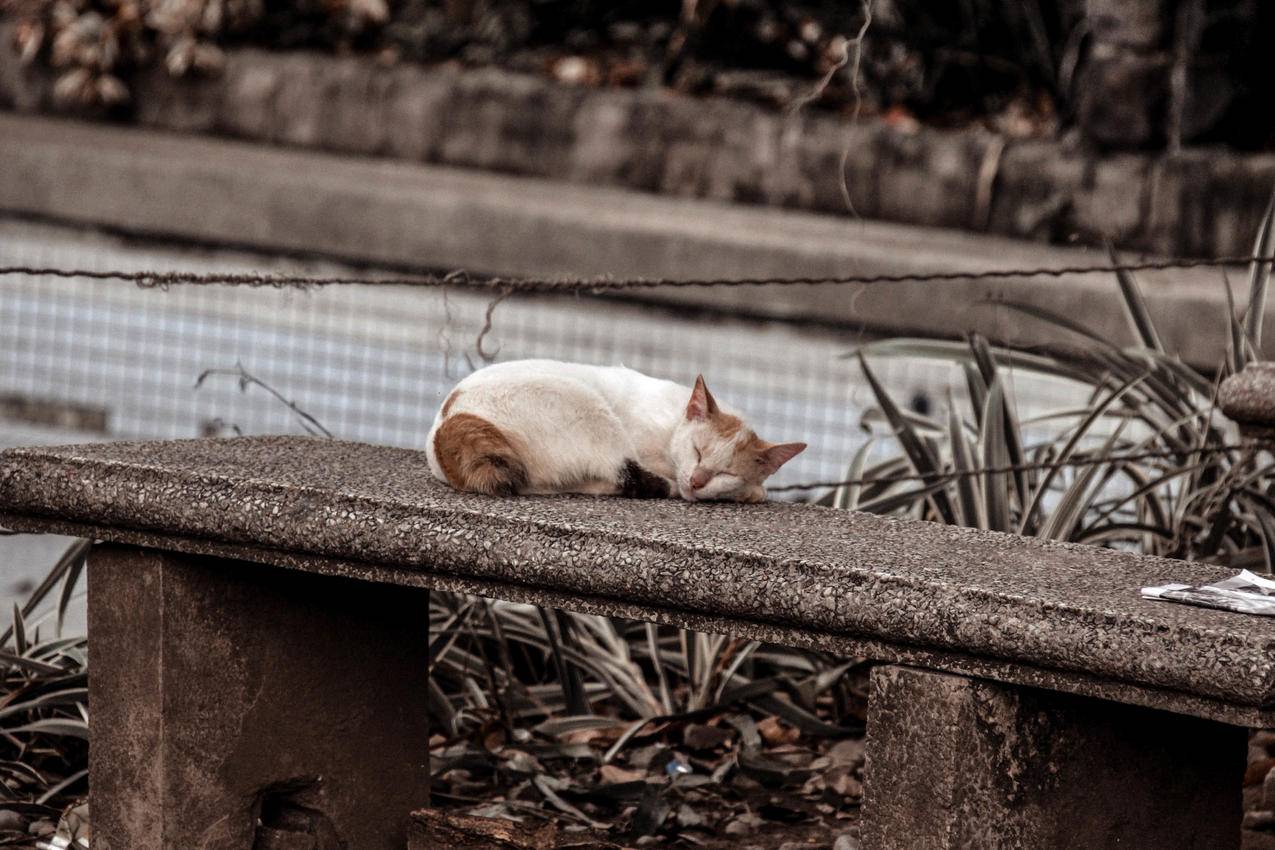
x=699, y=478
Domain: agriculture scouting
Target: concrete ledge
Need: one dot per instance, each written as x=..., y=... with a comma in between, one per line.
x=1249, y=397
x=1201, y=202
x=955, y=763
x=409, y=215
x=1052, y=615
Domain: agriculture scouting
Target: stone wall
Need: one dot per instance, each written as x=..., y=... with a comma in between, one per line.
x=1202, y=202
x=1161, y=72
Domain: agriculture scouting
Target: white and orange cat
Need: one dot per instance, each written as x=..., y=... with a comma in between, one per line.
x=543, y=426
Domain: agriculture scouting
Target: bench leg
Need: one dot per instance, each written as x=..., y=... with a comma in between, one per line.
x=962, y=763
x=235, y=705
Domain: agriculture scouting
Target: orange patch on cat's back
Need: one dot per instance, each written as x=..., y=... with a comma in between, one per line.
x=477, y=456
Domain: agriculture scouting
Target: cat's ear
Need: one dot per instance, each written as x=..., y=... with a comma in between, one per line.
x=774, y=456
x=702, y=405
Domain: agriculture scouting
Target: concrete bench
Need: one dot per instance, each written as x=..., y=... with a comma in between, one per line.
x=1026, y=696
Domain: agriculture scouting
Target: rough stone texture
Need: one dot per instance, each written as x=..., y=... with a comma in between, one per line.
x=25, y=88
x=721, y=149
x=1200, y=198
x=404, y=214
x=1124, y=98
x=1048, y=193
x=1248, y=397
x=1146, y=53
x=955, y=763
x=227, y=695
x=1144, y=24
x=996, y=597
x=881, y=650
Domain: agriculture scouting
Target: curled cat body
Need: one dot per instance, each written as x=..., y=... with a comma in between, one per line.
x=545, y=426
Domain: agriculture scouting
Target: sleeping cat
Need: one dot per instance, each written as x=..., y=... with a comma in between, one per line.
x=543, y=426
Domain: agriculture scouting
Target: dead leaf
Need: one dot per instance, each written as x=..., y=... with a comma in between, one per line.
x=699, y=737
x=610, y=774
x=774, y=732
x=745, y=824
x=847, y=753
x=689, y=818
x=776, y=812
x=494, y=739
x=841, y=781
x=643, y=756
x=518, y=761
x=581, y=736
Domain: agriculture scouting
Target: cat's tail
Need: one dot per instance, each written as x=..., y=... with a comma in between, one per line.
x=477, y=456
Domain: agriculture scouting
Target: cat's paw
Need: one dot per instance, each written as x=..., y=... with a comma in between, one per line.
x=752, y=495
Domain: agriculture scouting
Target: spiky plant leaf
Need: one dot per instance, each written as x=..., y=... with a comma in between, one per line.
x=1259, y=276
x=1081, y=430
x=995, y=451
x=846, y=497
x=1236, y=351
x=985, y=359
x=1076, y=499
x=969, y=496
x=1135, y=306
x=977, y=389
x=1266, y=528
x=959, y=352
x=923, y=460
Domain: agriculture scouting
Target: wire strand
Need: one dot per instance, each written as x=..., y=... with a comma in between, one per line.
x=506, y=286
x=952, y=474
x=461, y=279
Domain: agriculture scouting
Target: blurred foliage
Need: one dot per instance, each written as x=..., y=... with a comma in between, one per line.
x=638, y=729
x=948, y=61
x=1194, y=504
x=44, y=714
x=95, y=45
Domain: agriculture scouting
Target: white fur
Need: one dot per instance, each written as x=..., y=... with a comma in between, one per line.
x=578, y=425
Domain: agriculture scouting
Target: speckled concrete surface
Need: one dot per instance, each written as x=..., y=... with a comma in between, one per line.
x=845, y=645
x=956, y=763
x=219, y=686
x=1249, y=398
x=976, y=595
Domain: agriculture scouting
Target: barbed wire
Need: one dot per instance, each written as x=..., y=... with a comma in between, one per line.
x=953, y=474
x=507, y=285
x=503, y=287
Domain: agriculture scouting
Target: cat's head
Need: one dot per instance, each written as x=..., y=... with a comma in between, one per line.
x=717, y=457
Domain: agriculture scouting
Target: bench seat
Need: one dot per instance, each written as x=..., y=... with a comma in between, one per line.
x=1023, y=695
x=1053, y=615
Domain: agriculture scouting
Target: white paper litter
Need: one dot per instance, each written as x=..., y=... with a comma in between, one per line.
x=1246, y=593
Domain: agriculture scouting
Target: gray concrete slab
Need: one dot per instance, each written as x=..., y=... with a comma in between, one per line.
x=1054, y=615
x=400, y=213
